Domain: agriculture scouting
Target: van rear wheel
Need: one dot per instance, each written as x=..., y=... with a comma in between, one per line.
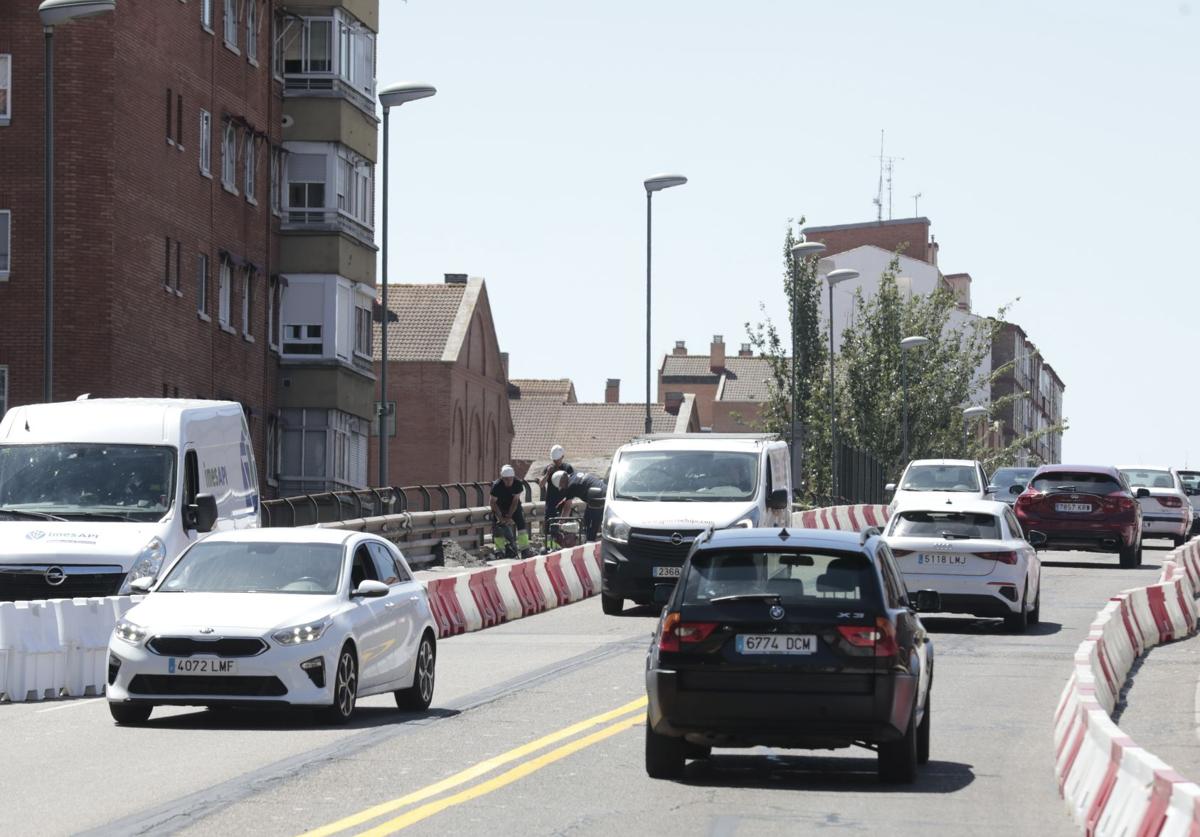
x=611, y=605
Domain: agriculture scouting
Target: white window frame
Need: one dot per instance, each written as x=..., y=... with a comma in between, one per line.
x=5, y=88
x=230, y=21
x=205, y=143
x=3, y=389
x=229, y=149
x=274, y=312
x=225, y=293
x=248, y=304
x=277, y=167
x=5, y=244
x=202, y=286
x=364, y=330
x=349, y=185
x=252, y=31
x=206, y=15
x=250, y=168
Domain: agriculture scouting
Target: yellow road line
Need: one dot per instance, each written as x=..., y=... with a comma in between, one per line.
x=507, y=778
x=473, y=772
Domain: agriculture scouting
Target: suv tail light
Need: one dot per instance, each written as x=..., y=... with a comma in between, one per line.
x=881, y=637
x=1002, y=557
x=677, y=633
x=1170, y=502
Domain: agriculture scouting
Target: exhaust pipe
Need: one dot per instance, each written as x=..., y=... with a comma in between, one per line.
x=1108, y=543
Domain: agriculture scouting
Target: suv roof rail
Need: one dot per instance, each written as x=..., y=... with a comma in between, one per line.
x=866, y=534
x=741, y=437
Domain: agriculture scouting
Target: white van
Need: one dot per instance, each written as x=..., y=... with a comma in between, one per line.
x=97, y=493
x=664, y=490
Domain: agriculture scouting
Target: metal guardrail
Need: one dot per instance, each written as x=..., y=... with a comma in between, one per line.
x=417, y=518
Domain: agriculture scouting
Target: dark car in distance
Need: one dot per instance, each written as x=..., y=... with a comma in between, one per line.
x=790, y=638
x=1086, y=507
x=1007, y=483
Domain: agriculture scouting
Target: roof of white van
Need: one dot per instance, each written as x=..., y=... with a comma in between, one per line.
x=110, y=420
x=702, y=441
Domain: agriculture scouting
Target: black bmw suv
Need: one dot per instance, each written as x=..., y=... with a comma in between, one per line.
x=793, y=638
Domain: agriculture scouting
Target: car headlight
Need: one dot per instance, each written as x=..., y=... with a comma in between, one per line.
x=616, y=529
x=131, y=633
x=301, y=634
x=147, y=564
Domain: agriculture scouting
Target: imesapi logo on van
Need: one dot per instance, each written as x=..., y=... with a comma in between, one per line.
x=216, y=476
x=68, y=537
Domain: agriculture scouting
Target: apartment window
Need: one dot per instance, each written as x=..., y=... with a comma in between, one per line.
x=272, y=449
x=312, y=169
x=179, y=267
x=306, y=188
x=302, y=340
x=252, y=30
x=3, y=390
x=5, y=89
x=206, y=14
x=231, y=24
x=363, y=334
x=247, y=300
x=311, y=49
x=5, y=242
x=170, y=112
x=322, y=449
x=179, y=120
x=205, y=142
x=251, y=167
x=229, y=145
x=224, y=292
x=167, y=264
x=274, y=294
x=277, y=164
x=202, y=285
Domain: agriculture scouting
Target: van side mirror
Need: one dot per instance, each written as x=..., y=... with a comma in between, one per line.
x=778, y=499
x=1036, y=539
x=926, y=601
x=142, y=585
x=662, y=593
x=1016, y=489
x=1142, y=492
x=202, y=514
x=890, y=488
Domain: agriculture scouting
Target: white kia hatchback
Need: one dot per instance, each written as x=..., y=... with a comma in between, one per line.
x=974, y=555
x=302, y=617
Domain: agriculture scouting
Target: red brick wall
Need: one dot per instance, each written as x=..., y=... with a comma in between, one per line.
x=889, y=236
x=736, y=417
x=121, y=189
x=705, y=394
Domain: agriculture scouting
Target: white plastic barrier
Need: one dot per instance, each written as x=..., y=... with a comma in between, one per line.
x=508, y=593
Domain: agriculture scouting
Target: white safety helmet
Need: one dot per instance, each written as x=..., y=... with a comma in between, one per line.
x=557, y=452
x=507, y=471
x=559, y=479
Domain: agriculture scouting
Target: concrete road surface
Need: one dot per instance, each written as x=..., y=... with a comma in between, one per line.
x=537, y=728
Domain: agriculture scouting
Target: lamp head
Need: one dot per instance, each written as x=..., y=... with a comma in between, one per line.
x=397, y=94
x=913, y=342
x=807, y=248
x=833, y=277
x=974, y=412
x=663, y=181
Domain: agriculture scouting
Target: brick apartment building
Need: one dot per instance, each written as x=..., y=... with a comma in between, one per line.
x=196, y=244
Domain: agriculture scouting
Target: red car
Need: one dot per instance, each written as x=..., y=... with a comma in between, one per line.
x=1088, y=507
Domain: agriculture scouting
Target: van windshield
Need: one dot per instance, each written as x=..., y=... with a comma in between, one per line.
x=86, y=481
x=686, y=476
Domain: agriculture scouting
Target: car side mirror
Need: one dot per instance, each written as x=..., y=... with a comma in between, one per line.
x=142, y=585
x=992, y=489
x=1142, y=492
x=1016, y=489
x=926, y=601
x=778, y=499
x=662, y=593
x=890, y=488
x=1036, y=538
x=370, y=589
x=202, y=514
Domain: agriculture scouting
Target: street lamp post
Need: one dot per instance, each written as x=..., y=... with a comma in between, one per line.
x=833, y=278
x=54, y=13
x=968, y=414
x=802, y=250
x=391, y=96
x=905, y=345
x=653, y=184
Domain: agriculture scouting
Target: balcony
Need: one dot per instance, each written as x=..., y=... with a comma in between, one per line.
x=327, y=85
x=326, y=221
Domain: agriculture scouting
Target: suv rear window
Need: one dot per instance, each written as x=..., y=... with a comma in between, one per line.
x=1076, y=482
x=798, y=577
x=945, y=524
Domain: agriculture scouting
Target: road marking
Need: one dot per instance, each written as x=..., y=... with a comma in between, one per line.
x=507, y=778
x=69, y=705
x=475, y=771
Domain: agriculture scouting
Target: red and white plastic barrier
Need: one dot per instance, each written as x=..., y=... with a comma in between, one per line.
x=1112, y=786
x=846, y=518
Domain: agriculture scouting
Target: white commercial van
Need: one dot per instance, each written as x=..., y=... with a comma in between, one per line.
x=664, y=490
x=97, y=493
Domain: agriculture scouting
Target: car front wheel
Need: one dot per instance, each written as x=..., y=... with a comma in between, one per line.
x=345, y=689
x=664, y=755
x=419, y=695
x=129, y=714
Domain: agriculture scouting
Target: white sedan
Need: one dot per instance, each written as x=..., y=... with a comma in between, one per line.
x=1166, y=512
x=303, y=617
x=974, y=555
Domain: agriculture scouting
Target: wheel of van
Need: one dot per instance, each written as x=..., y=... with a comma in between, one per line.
x=923, y=729
x=129, y=714
x=664, y=754
x=611, y=605
x=418, y=696
x=898, y=759
x=345, y=689
x=1129, y=556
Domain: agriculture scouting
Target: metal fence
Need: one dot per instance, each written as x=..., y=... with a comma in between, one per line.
x=860, y=476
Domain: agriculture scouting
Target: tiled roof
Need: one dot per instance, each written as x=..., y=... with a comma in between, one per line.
x=425, y=316
x=688, y=365
x=587, y=431
x=554, y=389
x=746, y=379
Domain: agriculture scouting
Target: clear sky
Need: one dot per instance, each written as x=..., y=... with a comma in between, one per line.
x=1056, y=147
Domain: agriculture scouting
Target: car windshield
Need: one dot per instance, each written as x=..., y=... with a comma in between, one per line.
x=805, y=577
x=1148, y=478
x=1190, y=480
x=941, y=478
x=256, y=567
x=945, y=524
x=87, y=481
x=1005, y=478
x=1076, y=482
x=686, y=476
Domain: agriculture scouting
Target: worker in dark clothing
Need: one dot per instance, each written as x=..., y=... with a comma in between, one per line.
x=578, y=486
x=506, y=508
x=551, y=494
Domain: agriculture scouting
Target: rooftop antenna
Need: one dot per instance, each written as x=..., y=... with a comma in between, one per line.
x=886, y=164
x=916, y=205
